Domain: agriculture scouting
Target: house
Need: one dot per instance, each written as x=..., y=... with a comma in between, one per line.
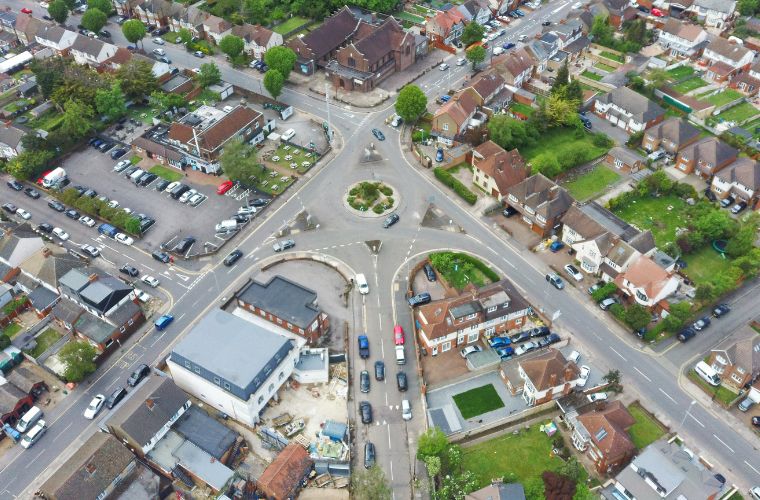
x=671, y=135
x=485, y=87
x=14, y=402
x=628, y=110
x=705, y=157
x=233, y=365
x=366, y=61
x=714, y=13
x=99, y=467
x=318, y=47
x=286, y=304
x=284, y=476
x=622, y=158
x=459, y=321
x=26, y=27
x=156, y=12
x=451, y=120
x=590, y=240
x=6, y=294
x=92, y=51
x=547, y=376
x=495, y=170
x=10, y=141
x=475, y=10
x=445, y=27
x=106, y=336
x=681, y=39
x=741, y=179
x=618, y=11
x=721, y=50
x=665, y=470
x=737, y=361
x=515, y=67
x=215, y=28
x=56, y=38
x=540, y=202
x=96, y=291
x=498, y=490
x=603, y=434
x=126, y=8
x=542, y=51
x=646, y=282
x=257, y=39
x=18, y=244
x=748, y=82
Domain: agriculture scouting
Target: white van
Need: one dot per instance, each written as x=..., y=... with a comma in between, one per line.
x=136, y=175
x=400, y=358
x=361, y=284
x=707, y=373
x=226, y=226
x=34, y=434
x=28, y=420
x=289, y=134
x=406, y=409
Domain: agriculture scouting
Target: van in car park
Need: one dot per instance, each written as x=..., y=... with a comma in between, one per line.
x=135, y=176
x=28, y=420
x=289, y=134
x=400, y=358
x=361, y=284
x=707, y=373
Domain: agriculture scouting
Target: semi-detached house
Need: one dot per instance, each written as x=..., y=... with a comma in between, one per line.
x=540, y=202
x=672, y=135
x=445, y=27
x=726, y=59
x=749, y=81
x=741, y=179
x=706, y=157
x=257, y=39
x=714, y=13
x=515, y=67
x=546, y=377
x=682, y=39
x=55, y=38
x=629, y=110
x=495, y=169
x=91, y=51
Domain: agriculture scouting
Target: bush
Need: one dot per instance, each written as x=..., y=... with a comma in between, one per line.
x=5, y=341
x=354, y=191
x=386, y=190
x=389, y=201
x=605, y=291
x=618, y=311
x=602, y=141
x=449, y=180
x=379, y=208
x=635, y=139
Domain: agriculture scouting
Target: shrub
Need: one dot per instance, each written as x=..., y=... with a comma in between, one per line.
x=449, y=180
x=351, y=200
x=354, y=191
x=386, y=190
x=635, y=139
x=602, y=141
x=605, y=291
x=684, y=190
x=379, y=208
x=618, y=311
x=389, y=201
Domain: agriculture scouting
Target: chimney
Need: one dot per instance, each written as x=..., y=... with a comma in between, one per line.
x=46, y=252
x=92, y=278
x=569, y=374
x=149, y=403
x=553, y=380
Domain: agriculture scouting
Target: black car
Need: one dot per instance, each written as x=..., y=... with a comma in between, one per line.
x=115, y=397
x=365, y=409
x=106, y=146
x=710, y=195
x=364, y=381
x=177, y=192
x=258, y=202
x=56, y=205
x=137, y=375
x=32, y=193
x=118, y=153
x=508, y=212
x=546, y=23
x=390, y=220
x=401, y=381
x=80, y=189
x=701, y=323
x=161, y=185
x=551, y=339
x=419, y=299
x=379, y=370
x=130, y=270
x=147, y=179
x=15, y=185
x=145, y=224
x=233, y=257
x=240, y=218
x=104, y=34
x=10, y=208
x=369, y=455
x=520, y=337
x=378, y=134
x=131, y=170
x=721, y=310
x=539, y=331
x=727, y=201
x=90, y=193
x=45, y=228
x=72, y=214
x=686, y=334
x=162, y=257
x=430, y=273
x=184, y=244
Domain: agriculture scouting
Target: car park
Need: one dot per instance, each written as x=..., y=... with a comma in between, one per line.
x=364, y=381
x=124, y=239
x=721, y=310
x=701, y=323
x=390, y=220
x=607, y=303
x=365, y=410
x=141, y=372
x=115, y=397
x=419, y=299
x=129, y=270
x=401, y=382
x=379, y=370
x=32, y=193
x=526, y=348
x=94, y=407
x=573, y=272
x=23, y=214
x=429, y=273
x=60, y=234
x=90, y=250
x=555, y=281
x=283, y=245
x=583, y=377
x=597, y=396
x=150, y=281
x=470, y=349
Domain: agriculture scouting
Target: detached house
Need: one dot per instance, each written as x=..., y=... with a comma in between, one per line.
x=91, y=51
x=646, y=282
x=257, y=39
x=741, y=179
x=495, y=170
x=682, y=39
x=706, y=157
x=726, y=59
x=603, y=435
x=624, y=159
x=540, y=202
x=628, y=110
x=515, y=67
x=542, y=51
x=672, y=135
x=737, y=362
x=455, y=322
x=714, y=13
x=547, y=376
x=56, y=38
x=451, y=120
x=445, y=28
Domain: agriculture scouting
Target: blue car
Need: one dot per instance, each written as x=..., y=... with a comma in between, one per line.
x=439, y=155
x=505, y=352
x=499, y=342
x=164, y=321
x=445, y=98
x=508, y=46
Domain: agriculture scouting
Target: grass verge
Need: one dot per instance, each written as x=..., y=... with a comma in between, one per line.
x=478, y=401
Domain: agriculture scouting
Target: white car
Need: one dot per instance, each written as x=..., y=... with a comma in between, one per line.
x=90, y=250
x=755, y=492
x=574, y=356
x=470, y=350
x=150, y=280
x=121, y=166
x=44, y=5
x=142, y=296
x=123, y=239
x=158, y=41
x=443, y=66
x=573, y=272
x=113, y=204
x=583, y=377
x=87, y=221
x=95, y=405
x=597, y=396
x=525, y=348
x=171, y=186
x=60, y=233
x=187, y=195
x=23, y=214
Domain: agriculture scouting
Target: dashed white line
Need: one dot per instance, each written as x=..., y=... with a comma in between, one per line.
x=750, y=466
x=60, y=433
x=509, y=263
x=723, y=443
x=391, y=462
x=697, y=421
x=621, y=356
x=389, y=436
x=642, y=374
x=667, y=395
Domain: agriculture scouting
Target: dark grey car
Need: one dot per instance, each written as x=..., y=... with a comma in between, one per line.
x=364, y=381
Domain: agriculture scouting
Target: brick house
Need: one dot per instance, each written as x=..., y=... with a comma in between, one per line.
x=672, y=135
x=105, y=335
x=705, y=157
x=515, y=67
x=459, y=321
x=748, y=82
x=287, y=305
x=283, y=477
x=646, y=282
x=215, y=28
x=316, y=48
x=603, y=435
x=721, y=53
x=450, y=121
x=629, y=110
x=485, y=87
x=624, y=159
x=547, y=376
x=26, y=27
x=540, y=202
x=741, y=179
x=257, y=39
x=475, y=10
x=157, y=12
x=737, y=362
x=618, y=11
x=446, y=27
x=495, y=170
x=26, y=380
x=682, y=39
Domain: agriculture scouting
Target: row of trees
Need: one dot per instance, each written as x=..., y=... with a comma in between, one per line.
x=94, y=18
x=266, y=12
x=635, y=34
x=97, y=208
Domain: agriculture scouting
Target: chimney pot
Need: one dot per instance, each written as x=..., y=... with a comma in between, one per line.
x=553, y=379
x=93, y=277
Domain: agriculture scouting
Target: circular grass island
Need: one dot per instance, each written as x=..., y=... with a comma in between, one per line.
x=371, y=198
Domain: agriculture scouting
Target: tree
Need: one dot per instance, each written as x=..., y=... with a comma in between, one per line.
x=658, y=77
x=605, y=291
x=134, y=30
x=637, y=317
x=49, y=73
x=411, y=103
x=137, y=78
x=77, y=119
x=78, y=358
x=534, y=488
x=602, y=31
x=208, y=75
x=167, y=101
x=613, y=380
x=281, y=58
x=27, y=164
x=5, y=341
x=560, y=111
x=547, y=164
x=472, y=33
x=571, y=469
x=238, y=161
x=714, y=225
x=58, y=11
x=574, y=91
x=103, y=6
x=111, y=102
x=370, y=484
x=476, y=55
x=232, y=46
x=748, y=7
x=742, y=242
x=432, y=443
x=679, y=314
x=510, y=133
x=582, y=492
x=562, y=79
x=94, y=20
x=273, y=82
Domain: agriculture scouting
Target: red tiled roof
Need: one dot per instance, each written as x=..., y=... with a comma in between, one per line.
x=549, y=369
x=281, y=478
x=611, y=425
x=507, y=168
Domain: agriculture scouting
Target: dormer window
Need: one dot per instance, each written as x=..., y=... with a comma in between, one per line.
x=492, y=309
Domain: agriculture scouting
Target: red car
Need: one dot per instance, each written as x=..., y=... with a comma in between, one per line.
x=26, y=10
x=398, y=335
x=657, y=13
x=224, y=187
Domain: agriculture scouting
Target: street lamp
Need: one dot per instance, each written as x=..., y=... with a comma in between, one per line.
x=693, y=402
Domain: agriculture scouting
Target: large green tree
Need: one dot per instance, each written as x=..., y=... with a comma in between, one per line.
x=748, y=7
x=472, y=33
x=165, y=100
x=411, y=103
x=103, y=6
x=27, y=164
x=370, y=484
x=280, y=58
x=77, y=119
x=78, y=358
x=134, y=30
x=232, y=46
x=432, y=443
x=239, y=163
x=208, y=75
x=510, y=133
x=94, y=20
x=59, y=11
x=273, y=82
x=111, y=102
x=476, y=55
x=137, y=78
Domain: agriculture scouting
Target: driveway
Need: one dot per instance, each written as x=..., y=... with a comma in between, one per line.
x=617, y=134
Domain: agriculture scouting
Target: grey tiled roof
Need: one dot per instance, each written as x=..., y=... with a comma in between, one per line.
x=642, y=109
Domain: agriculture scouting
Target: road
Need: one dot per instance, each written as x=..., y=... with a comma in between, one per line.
x=343, y=236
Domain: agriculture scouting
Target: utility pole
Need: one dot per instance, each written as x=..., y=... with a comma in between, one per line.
x=327, y=105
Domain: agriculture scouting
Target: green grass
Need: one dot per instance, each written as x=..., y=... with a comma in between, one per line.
x=12, y=330
x=478, y=401
x=681, y=72
x=723, y=98
x=563, y=142
x=406, y=16
x=170, y=174
x=521, y=108
x=135, y=159
x=142, y=113
x=291, y=24
x=653, y=214
x=611, y=56
x=719, y=393
x=592, y=76
x=604, y=67
x=591, y=184
x=48, y=121
x=739, y=113
x=736, y=496
x=44, y=341
x=689, y=85
x=704, y=264
x=646, y=430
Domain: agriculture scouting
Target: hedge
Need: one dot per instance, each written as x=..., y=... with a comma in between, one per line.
x=445, y=176
x=480, y=265
x=98, y=209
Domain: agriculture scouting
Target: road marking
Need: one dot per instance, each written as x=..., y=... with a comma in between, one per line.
x=723, y=443
x=382, y=348
x=183, y=277
x=667, y=395
x=642, y=374
x=750, y=466
x=621, y=356
x=509, y=263
x=181, y=316
x=697, y=421
x=391, y=462
x=148, y=267
x=64, y=430
x=389, y=436
x=380, y=321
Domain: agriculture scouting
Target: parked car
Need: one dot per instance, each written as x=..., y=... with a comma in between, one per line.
x=60, y=233
x=470, y=349
x=596, y=286
x=90, y=250
x=45, y=228
x=607, y=303
x=583, y=377
x=379, y=370
x=555, y=281
x=124, y=239
x=547, y=341
x=525, y=348
x=686, y=334
x=369, y=455
x=23, y=214
x=390, y=220
x=162, y=257
x=365, y=410
x=150, y=281
x=539, y=331
x=573, y=272
x=56, y=205
x=283, y=245
x=746, y=404
x=701, y=323
x=419, y=299
x=443, y=66
x=505, y=352
x=115, y=397
x=378, y=134
x=738, y=207
x=401, y=381
x=721, y=310
x=727, y=201
x=258, y=202
x=429, y=272
x=546, y=23
x=129, y=270
x=499, y=342
x=364, y=381
x=398, y=335
x=141, y=372
x=508, y=45
x=94, y=407
x=32, y=193
x=10, y=208
x=597, y=396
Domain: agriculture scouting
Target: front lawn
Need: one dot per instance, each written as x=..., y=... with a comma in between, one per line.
x=11, y=330
x=459, y=269
x=660, y=215
x=44, y=341
x=564, y=143
x=646, y=430
x=592, y=76
x=704, y=264
x=170, y=174
x=719, y=393
x=689, y=85
x=738, y=113
x=478, y=401
x=291, y=24
x=681, y=72
x=604, y=67
x=48, y=121
x=722, y=98
x=613, y=57
x=592, y=183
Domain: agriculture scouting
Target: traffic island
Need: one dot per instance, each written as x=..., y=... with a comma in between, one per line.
x=371, y=199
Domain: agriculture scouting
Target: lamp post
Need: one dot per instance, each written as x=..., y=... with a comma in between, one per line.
x=683, y=420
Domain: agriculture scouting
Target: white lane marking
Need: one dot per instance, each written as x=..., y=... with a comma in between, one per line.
x=509, y=263
x=697, y=421
x=63, y=431
x=723, y=443
x=750, y=466
x=667, y=395
x=148, y=267
x=642, y=374
x=391, y=462
x=389, y=436
x=621, y=356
